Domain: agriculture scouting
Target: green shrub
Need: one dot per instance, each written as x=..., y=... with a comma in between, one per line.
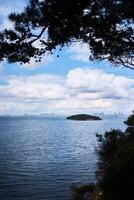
x=116, y=164
x=130, y=120
x=115, y=173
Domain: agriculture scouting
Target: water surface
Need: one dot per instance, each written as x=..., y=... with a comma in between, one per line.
x=41, y=158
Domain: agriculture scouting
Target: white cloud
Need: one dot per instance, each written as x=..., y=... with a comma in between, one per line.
x=47, y=58
x=6, y=7
x=6, y=24
x=79, y=51
x=33, y=64
x=82, y=90
x=97, y=83
x=35, y=88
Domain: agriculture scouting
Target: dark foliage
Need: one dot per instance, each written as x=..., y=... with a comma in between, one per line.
x=107, y=26
x=83, y=192
x=115, y=171
x=116, y=164
x=130, y=120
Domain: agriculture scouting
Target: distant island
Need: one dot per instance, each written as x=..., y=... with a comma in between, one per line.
x=83, y=117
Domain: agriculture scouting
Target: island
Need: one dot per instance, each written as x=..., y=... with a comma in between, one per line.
x=83, y=117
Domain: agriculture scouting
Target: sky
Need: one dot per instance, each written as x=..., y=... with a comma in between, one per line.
x=66, y=84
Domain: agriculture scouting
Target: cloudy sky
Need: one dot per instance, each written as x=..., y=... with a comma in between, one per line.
x=68, y=84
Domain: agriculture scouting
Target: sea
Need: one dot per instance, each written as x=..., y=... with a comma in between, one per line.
x=41, y=158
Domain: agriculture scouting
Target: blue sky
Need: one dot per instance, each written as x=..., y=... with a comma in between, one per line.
x=67, y=84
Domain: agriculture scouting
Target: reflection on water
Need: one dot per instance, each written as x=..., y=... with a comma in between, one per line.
x=41, y=158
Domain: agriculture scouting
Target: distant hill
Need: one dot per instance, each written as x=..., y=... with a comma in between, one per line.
x=83, y=117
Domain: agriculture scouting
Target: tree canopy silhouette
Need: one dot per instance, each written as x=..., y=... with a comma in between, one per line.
x=107, y=26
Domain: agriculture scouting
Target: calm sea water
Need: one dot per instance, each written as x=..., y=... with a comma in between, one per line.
x=41, y=158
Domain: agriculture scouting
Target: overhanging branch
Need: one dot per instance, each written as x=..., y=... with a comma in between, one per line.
x=38, y=36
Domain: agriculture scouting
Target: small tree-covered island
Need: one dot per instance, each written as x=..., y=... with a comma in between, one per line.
x=83, y=117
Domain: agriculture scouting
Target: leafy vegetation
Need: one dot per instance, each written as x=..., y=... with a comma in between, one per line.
x=116, y=164
x=83, y=191
x=130, y=120
x=115, y=173
x=106, y=26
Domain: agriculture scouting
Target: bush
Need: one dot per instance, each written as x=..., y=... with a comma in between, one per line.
x=130, y=120
x=116, y=164
x=115, y=173
x=83, y=191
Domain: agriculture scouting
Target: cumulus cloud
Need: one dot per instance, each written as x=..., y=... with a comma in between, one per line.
x=6, y=24
x=97, y=83
x=33, y=64
x=6, y=7
x=82, y=90
x=79, y=51
x=33, y=88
